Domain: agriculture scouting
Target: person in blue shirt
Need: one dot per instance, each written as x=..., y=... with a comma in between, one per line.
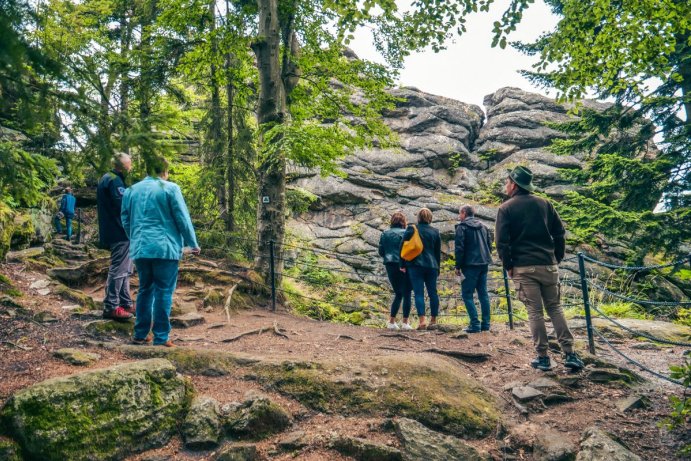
x=156, y=220
x=68, y=204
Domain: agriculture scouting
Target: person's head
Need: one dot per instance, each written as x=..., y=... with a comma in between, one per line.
x=465, y=212
x=68, y=190
x=520, y=178
x=424, y=216
x=160, y=168
x=122, y=163
x=398, y=220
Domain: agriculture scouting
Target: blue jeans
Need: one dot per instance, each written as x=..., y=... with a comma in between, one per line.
x=157, y=281
x=68, y=226
x=421, y=277
x=476, y=280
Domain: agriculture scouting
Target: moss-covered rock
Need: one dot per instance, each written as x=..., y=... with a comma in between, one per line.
x=106, y=328
x=256, y=419
x=76, y=357
x=192, y=361
x=201, y=429
x=99, y=415
x=238, y=452
x=6, y=228
x=23, y=232
x=425, y=388
x=421, y=443
x=365, y=450
x=9, y=450
x=77, y=296
x=8, y=288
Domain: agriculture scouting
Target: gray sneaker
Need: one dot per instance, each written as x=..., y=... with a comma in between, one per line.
x=573, y=361
x=541, y=363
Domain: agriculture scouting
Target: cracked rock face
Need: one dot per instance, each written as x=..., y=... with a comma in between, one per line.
x=448, y=155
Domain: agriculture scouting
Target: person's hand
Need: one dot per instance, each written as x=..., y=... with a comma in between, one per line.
x=510, y=272
x=196, y=251
x=458, y=272
x=403, y=269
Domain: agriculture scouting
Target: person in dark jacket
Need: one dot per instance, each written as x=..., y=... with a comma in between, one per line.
x=67, y=207
x=473, y=246
x=530, y=242
x=117, y=303
x=424, y=269
x=390, y=250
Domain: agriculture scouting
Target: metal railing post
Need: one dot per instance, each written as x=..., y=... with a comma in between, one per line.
x=586, y=302
x=273, y=275
x=509, y=307
x=79, y=226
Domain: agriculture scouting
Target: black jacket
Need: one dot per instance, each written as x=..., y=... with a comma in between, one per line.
x=390, y=245
x=529, y=232
x=431, y=243
x=109, y=194
x=473, y=243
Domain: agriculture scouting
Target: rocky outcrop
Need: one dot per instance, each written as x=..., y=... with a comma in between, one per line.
x=101, y=414
x=365, y=450
x=256, y=419
x=422, y=443
x=447, y=156
x=202, y=429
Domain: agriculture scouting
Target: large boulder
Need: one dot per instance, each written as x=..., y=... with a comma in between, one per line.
x=596, y=445
x=104, y=414
x=256, y=419
x=202, y=428
x=421, y=443
x=365, y=450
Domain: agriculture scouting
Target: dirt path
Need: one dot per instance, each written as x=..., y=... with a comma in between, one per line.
x=28, y=342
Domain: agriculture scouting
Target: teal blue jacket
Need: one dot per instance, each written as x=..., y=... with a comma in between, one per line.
x=156, y=220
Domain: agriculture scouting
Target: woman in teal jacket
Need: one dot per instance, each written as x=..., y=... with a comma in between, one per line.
x=158, y=225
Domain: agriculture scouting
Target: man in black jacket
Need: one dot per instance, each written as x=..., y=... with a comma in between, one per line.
x=117, y=303
x=473, y=246
x=530, y=242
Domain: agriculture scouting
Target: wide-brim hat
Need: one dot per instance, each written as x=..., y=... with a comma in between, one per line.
x=523, y=177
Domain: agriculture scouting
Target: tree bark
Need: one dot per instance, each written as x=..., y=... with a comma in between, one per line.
x=215, y=135
x=229, y=176
x=272, y=167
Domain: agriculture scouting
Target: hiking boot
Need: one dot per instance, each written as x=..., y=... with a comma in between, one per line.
x=168, y=343
x=573, y=361
x=119, y=314
x=392, y=326
x=484, y=329
x=421, y=327
x=541, y=363
x=406, y=326
x=149, y=338
x=472, y=330
x=131, y=309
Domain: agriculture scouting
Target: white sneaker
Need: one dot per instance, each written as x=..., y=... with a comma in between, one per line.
x=406, y=326
x=391, y=326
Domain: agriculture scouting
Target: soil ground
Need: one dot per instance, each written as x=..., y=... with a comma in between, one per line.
x=27, y=344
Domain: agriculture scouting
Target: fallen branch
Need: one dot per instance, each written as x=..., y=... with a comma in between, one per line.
x=461, y=355
x=401, y=335
x=18, y=346
x=216, y=325
x=505, y=351
x=226, y=306
x=344, y=337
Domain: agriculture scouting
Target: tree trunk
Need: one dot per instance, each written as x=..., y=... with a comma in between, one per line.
x=272, y=167
x=123, y=123
x=229, y=175
x=215, y=134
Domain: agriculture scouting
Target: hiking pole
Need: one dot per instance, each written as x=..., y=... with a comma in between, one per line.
x=79, y=226
x=586, y=302
x=509, y=307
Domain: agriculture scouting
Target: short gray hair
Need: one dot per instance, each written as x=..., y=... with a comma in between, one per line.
x=468, y=210
x=119, y=159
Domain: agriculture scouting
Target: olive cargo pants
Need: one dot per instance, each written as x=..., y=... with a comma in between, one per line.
x=538, y=286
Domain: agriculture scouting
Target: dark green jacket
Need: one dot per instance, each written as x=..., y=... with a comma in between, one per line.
x=529, y=232
x=431, y=243
x=390, y=245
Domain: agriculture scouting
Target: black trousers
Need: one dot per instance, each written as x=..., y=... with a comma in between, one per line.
x=401, y=288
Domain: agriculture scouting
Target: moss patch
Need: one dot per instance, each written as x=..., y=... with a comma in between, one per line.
x=428, y=389
x=102, y=414
x=23, y=231
x=6, y=228
x=192, y=361
x=7, y=287
x=100, y=328
x=9, y=450
x=77, y=296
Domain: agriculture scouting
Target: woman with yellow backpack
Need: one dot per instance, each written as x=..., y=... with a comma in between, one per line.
x=421, y=258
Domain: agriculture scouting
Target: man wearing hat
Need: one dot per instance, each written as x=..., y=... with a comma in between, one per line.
x=66, y=210
x=530, y=242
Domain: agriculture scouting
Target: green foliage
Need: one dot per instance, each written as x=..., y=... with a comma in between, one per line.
x=683, y=317
x=488, y=193
x=681, y=406
x=24, y=176
x=622, y=310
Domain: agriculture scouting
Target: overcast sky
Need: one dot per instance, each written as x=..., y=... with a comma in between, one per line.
x=470, y=68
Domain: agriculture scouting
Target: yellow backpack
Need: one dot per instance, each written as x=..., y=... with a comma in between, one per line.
x=412, y=248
